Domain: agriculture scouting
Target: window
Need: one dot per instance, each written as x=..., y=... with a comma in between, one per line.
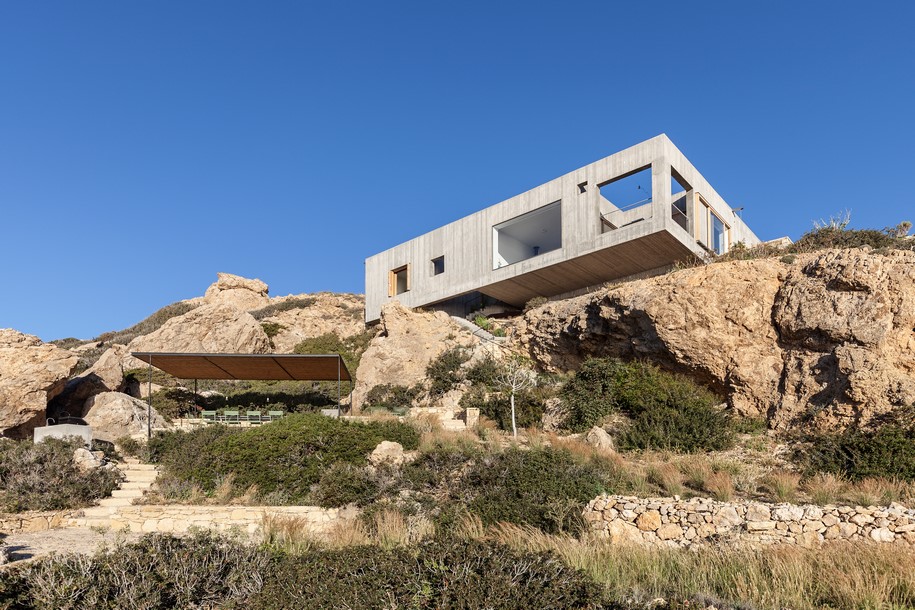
x=527, y=236
x=399, y=281
x=438, y=265
x=712, y=232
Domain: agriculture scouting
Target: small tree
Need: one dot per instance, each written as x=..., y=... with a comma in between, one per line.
x=516, y=376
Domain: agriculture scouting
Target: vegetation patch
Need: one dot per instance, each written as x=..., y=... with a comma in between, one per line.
x=886, y=452
x=150, y=324
x=284, y=458
x=396, y=399
x=351, y=348
x=287, y=305
x=444, y=372
x=43, y=476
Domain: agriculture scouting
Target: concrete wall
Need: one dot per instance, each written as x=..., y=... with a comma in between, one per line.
x=674, y=522
x=467, y=243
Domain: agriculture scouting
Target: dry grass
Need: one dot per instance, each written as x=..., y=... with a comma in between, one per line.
x=666, y=476
x=823, y=488
x=833, y=576
x=783, y=485
x=721, y=485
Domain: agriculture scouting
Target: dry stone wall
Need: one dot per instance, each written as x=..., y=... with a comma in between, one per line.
x=674, y=522
x=34, y=521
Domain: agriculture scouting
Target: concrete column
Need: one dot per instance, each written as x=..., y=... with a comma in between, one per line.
x=660, y=190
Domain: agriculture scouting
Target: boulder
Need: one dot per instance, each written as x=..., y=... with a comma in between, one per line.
x=387, y=452
x=237, y=291
x=215, y=328
x=830, y=333
x=598, y=437
x=31, y=374
x=85, y=459
x=113, y=415
x=407, y=343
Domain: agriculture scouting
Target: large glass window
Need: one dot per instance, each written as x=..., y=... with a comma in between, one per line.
x=527, y=236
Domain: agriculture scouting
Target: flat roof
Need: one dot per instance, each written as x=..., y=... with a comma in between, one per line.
x=302, y=367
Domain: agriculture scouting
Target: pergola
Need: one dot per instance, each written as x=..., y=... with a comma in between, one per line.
x=262, y=367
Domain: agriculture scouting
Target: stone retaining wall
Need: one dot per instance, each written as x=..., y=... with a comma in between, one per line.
x=34, y=521
x=179, y=518
x=675, y=522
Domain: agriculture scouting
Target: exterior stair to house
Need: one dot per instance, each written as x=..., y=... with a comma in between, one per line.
x=138, y=478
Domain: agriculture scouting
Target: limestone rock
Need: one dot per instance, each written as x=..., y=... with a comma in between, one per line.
x=31, y=373
x=621, y=532
x=648, y=521
x=237, y=291
x=670, y=531
x=341, y=314
x=831, y=333
x=85, y=459
x=598, y=437
x=407, y=342
x=209, y=328
x=113, y=415
x=387, y=452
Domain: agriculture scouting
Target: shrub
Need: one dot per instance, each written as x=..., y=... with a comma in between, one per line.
x=173, y=403
x=156, y=572
x=484, y=372
x=685, y=426
x=444, y=372
x=668, y=411
x=887, y=452
x=343, y=484
x=43, y=476
x=535, y=303
x=350, y=348
x=437, y=574
x=287, y=305
x=286, y=457
x=528, y=408
x=394, y=398
x=150, y=324
x=544, y=488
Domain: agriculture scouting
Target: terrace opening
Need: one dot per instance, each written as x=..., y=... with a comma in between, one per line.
x=679, y=211
x=626, y=199
x=527, y=236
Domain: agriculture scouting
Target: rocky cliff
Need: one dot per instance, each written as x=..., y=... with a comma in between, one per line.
x=825, y=338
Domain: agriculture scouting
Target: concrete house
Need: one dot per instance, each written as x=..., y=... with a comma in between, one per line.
x=635, y=213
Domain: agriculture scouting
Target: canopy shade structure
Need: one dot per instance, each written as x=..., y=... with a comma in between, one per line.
x=302, y=367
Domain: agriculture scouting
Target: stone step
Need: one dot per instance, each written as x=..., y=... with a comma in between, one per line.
x=141, y=485
x=127, y=493
x=136, y=467
x=115, y=502
x=141, y=476
x=100, y=511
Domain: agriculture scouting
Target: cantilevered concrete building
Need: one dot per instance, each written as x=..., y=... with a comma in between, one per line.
x=634, y=213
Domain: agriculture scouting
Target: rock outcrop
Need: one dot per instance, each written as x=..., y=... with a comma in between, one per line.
x=237, y=291
x=113, y=415
x=407, y=343
x=341, y=314
x=31, y=373
x=218, y=327
x=828, y=338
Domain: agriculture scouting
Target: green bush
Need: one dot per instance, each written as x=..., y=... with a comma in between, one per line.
x=667, y=411
x=343, y=484
x=156, y=572
x=484, y=372
x=688, y=427
x=350, y=348
x=886, y=452
x=529, y=407
x=286, y=457
x=546, y=488
x=444, y=372
x=287, y=305
x=439, y=574
x=394, y=398
x=43, y=476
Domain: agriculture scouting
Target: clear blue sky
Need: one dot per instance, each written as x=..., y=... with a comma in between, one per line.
x=144, y=146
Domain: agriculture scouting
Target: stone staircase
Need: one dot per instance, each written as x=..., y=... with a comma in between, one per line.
x=138, y=478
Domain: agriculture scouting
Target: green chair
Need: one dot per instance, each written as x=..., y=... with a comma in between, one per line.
x=208, y=416
x=253, y=417
x=275, y=415
x=230, y=417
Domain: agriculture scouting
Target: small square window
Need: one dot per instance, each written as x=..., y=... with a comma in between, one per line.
x=438, y=265
x=399, y=281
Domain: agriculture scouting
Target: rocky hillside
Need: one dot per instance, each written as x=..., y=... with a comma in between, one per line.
x=236, y=314
x=827, y=338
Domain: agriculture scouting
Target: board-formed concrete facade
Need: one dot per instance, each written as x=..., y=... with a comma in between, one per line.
x=561, y=237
